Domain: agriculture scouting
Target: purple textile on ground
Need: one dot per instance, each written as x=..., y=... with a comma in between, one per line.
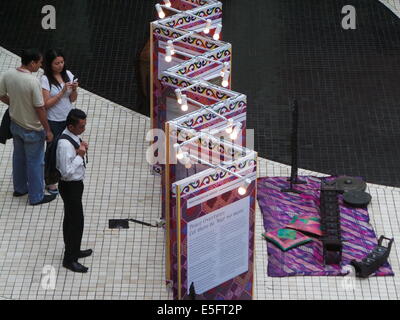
x=278, y=210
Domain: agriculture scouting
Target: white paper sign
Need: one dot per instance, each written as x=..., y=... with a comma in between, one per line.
x=218, y=246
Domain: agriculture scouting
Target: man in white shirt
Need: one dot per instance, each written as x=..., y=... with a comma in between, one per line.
x=71, y=164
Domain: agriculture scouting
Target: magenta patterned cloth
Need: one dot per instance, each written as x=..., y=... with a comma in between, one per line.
x=306, y=223
x=286, y=239
x=278, y=211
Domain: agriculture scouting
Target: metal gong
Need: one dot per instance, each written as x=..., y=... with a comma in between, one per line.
x=359, y=199
x=346, y=183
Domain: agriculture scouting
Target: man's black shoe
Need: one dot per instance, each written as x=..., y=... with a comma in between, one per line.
x=46, y=199
x=85, y=253
x=75, y=267
x=17, y=194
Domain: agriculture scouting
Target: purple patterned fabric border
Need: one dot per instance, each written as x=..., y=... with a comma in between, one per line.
x=279, y=208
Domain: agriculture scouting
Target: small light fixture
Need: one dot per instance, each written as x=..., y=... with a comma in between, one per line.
x=208, y=26
x=235, y=132
x=171, y=45
x=179, y=154
x=185, y=159
x=167, y=3
x=168, y=56
x=242, y=191
x=225, y=80
x=184, y=106
x=224, y=69
x=243, y=188
x=160, y=11
x=187, y=162
x=178, y=94
x=217, y=33
x=229, y=130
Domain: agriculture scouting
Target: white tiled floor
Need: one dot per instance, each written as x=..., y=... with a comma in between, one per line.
x=393, y=5
x=129, y=264
x=126, y=264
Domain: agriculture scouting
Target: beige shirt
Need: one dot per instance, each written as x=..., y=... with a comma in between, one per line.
x=25, y=94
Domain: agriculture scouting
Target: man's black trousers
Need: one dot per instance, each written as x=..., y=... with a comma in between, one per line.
x=71, y=193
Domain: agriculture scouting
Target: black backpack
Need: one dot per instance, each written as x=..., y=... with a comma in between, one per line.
x=51, y=173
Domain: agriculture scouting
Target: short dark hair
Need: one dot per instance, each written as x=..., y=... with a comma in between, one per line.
x=74, y=116
x=29, y=55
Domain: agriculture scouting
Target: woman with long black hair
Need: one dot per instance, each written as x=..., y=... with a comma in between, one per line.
x=59, y=88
